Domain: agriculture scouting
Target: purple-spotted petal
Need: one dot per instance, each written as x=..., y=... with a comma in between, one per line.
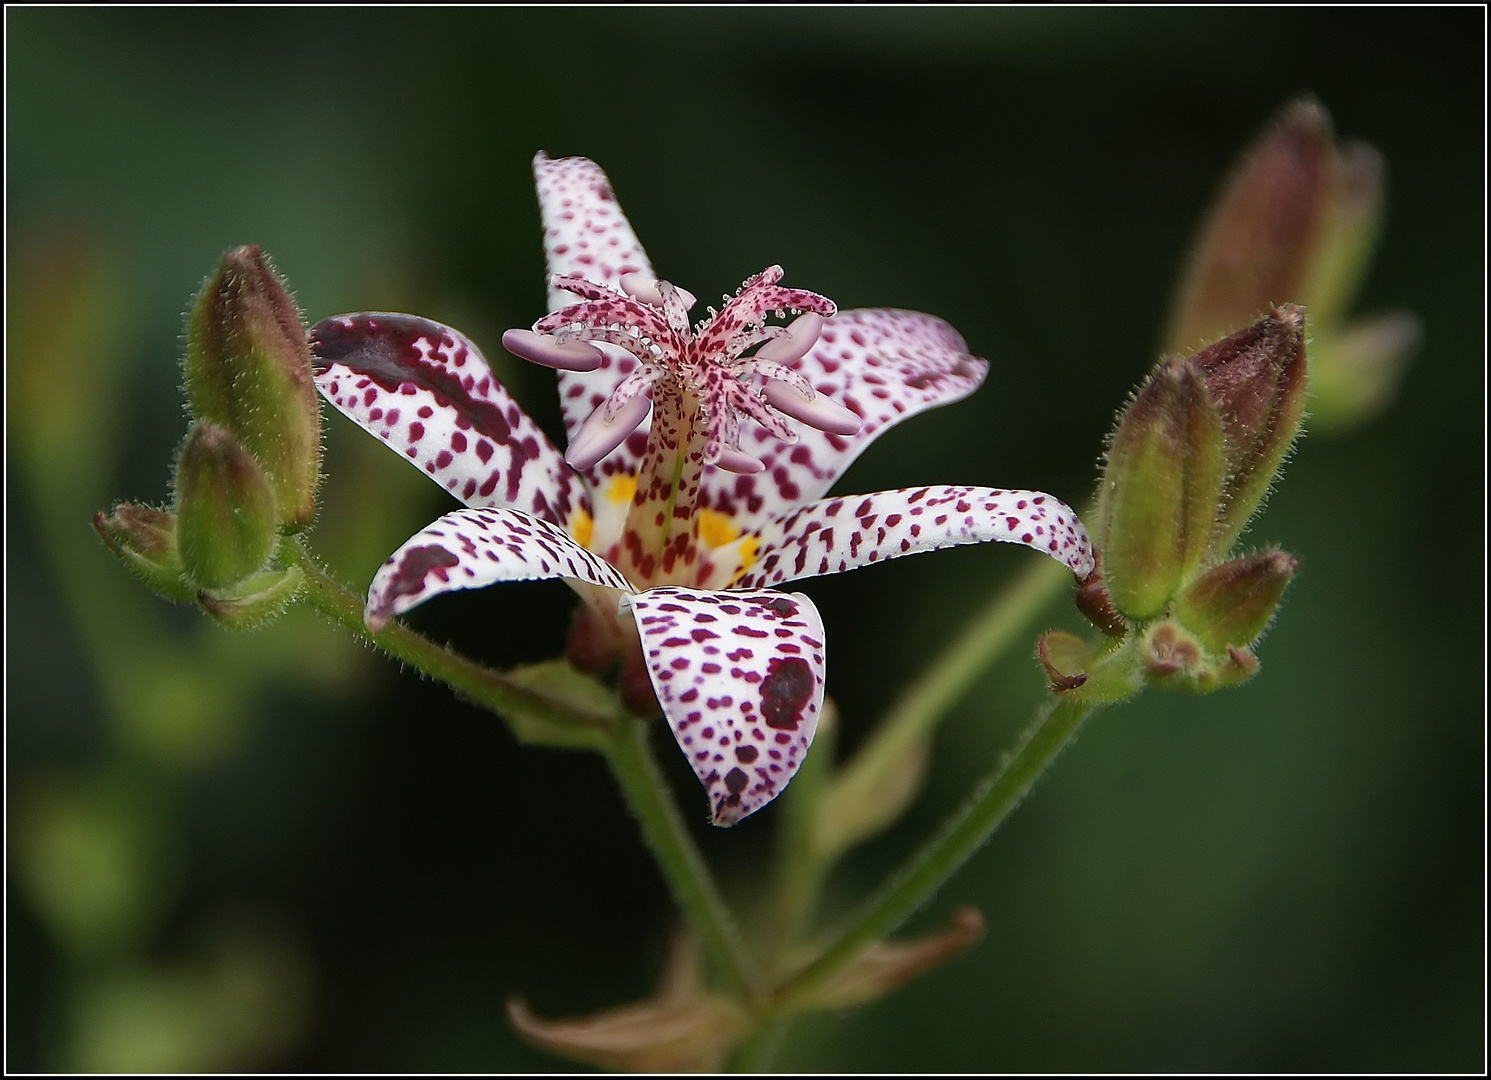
x=740, y=678
x=470, y=549
x=586, y=235
x=834, y=535
x=426, y=391
x=882, y=365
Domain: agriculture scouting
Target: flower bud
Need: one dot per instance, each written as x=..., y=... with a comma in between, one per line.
x=145, y=538
x=885, y=966
x=1232, y=604
x=225, y=509
x=1349, y=233
x=248, y=369
x=256, y=600
x=1354, y=373
x=1257, y=379
x=1260, y=243
x=1161, y=486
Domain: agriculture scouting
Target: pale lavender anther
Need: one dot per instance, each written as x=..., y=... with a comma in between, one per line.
x=819, y=411
x=795, y=340
x=602, y=433
x=737, y=461
x=646, y=289
x=547, y=351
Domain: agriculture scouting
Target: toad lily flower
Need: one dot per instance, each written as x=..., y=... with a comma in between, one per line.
x=674, y=532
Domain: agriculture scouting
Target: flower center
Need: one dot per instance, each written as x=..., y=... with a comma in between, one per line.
x=695, y=383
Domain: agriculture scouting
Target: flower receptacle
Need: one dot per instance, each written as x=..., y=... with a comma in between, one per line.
x=248, y=369
x=225, y=509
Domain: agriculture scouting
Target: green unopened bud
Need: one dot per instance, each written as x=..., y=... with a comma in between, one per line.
x=1261, y=242
x=589, y=703
x=1257, y=378
x=145, y=538
x=1353, y=219
x=248, y=369
x=1354, y=373
x=1161, y=486
x=256, y=600
x=225, y=510
x=1232, y=604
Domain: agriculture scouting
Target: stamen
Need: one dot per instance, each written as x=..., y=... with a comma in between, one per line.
x=795, y=341
x=819, y=411
x=548, y=351
x=738, y=461
x=606, y=429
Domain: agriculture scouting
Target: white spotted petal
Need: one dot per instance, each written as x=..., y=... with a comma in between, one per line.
x=426, y=392
x=834, y=535
x=881, y=365
x=586, y=235
x=739, y=676
x=471, y=549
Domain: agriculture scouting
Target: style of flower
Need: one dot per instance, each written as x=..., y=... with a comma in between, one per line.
x=675, y=531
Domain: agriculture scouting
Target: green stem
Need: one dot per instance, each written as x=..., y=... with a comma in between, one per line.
x=940, y=859
x=923, y=704
x=490, y=689
x=693, y=888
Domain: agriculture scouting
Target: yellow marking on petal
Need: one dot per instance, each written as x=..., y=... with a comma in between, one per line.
x=747, y=557
x=581, y=524
x=716, y=529
x=620, y=489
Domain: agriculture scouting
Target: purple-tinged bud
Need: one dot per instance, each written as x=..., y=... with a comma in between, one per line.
x=1097, y=607
x=145, y=538
x=1161, y=487
x=1171, y=654
x=1257, y=377
x=1260, y=242
x=738, y=461
x=1353, y=220
x=1173, y=657
x=547, y=351
x=885, y=965
x=819, y=411
x=1232, y=604
x=256, y=600
x=225, y=509
x=600, y=434
x=248, y=370
x=796, y=340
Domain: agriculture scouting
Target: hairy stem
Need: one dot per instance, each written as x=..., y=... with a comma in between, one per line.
x=490, y=689
x=940, y=859
x=693, y=888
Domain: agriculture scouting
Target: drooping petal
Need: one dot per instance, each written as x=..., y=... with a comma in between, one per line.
x=739, y=676
x=426, y=391
x=884, y=366
x=470, y=549
x=586, y=235
x=834, y=535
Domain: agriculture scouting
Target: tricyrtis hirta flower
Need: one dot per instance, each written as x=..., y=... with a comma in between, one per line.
x=674, y=531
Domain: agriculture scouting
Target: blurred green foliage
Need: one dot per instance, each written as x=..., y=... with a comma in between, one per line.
x=269, y=850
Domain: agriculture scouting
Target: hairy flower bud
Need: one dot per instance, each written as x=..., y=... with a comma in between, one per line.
x=145, y=538
x=1232, y=604
x=225, y=509
x=248, y=369
x=1160, y=491
x=1257, y=379
x=1260, y=243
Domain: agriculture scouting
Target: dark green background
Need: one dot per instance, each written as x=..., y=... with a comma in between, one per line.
x=1284, y=877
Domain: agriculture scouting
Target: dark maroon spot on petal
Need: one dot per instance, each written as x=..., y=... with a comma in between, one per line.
x=783, y=607
x=736, y=780
x=785, y=692
x=417, y=564
x=745, y=754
